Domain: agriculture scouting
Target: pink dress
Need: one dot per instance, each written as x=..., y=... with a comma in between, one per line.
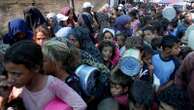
x=54, y=88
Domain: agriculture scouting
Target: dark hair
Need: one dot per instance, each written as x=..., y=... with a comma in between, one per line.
x=156, y=43
x=167, y=42
x=107, y=104
x=106, y=43
x=142, y=93
x=184, y=52
x=118, y=77
x=25, y=52
x=134, y=42
x=147, y=50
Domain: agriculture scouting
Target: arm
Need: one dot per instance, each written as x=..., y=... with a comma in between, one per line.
x=68, y=95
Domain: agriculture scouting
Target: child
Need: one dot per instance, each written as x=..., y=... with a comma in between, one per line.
x=120, y=84
x=164, y=63
x=141, y=95
x=41, y=34
x=147, y=64
x=120, y=39
x=107, y=50
x=24, y=69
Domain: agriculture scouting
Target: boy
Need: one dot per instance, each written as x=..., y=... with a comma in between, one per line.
x=164, y=63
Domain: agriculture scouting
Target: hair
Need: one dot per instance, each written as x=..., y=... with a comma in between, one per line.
x=44, y=29
x=184, y=52
x=118, y=77
x=58, y=51
x=167, y=42
x=106, y=43
x=108, y=104
x=25, y=52
x=134, y=42
x=147, y=50
x=142, y=93
x=156, y=43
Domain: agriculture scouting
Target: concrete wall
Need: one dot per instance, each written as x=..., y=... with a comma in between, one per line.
x=10, y=9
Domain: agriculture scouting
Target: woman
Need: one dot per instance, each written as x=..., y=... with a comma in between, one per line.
x=18, y=30
x=123, y=24
x=80, y=38
x=34, y=17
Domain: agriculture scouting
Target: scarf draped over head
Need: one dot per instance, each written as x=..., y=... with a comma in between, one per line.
x=53, y=16
x=120, y=22
x=15, y=26
x=34, y=17
x=82, y=35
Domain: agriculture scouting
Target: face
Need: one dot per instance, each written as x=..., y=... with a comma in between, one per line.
x=148, y=36
x=74, y=41
x=40, y=38
x=128, y=25
x=120, y=40
x=18, y=75
x=116, y=89
x=5, y=87
x=107, y=53
x=108, y=36
x=167, y=52
x=176, y=49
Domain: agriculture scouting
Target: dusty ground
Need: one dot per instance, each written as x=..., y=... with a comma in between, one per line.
x=10, y=9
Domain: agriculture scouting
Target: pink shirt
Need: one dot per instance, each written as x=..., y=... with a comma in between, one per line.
x=54, y=88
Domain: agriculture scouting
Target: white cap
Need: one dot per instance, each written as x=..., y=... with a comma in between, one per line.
x=109, y=30
x=87, y=5
x=61, y=17
x=51, y=14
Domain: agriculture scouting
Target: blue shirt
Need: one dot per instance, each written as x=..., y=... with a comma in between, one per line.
x=163, y=69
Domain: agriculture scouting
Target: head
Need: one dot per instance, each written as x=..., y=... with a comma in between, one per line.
x=120, y=83
x=108, y=104
x=167, y=45
x=184, y=52
x=156, y=43
x=148, y=33
x=107, y=49
x=176, y=47
x=57, y=56
x=141, y=95
x=134, y=42
x=108, y=34
x=41, y=34
x=21, y=64
x=87, y=7
x=147, y=54
x=123, y=22
x=120, y=39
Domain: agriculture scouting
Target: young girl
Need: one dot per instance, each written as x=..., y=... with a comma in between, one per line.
x=41, y=34
x=107, y=50
x=24, y=69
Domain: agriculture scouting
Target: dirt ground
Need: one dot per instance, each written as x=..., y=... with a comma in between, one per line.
x=10, y=9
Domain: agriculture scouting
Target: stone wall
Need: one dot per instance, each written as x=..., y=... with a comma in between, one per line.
x=10, y=9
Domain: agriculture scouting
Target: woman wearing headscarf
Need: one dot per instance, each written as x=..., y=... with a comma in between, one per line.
x=123, y=24
x=34, y=17
x=80, y=38
x=72, y=18
x=52, y=23
x=17, y=30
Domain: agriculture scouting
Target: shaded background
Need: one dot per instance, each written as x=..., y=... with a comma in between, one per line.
x=10, y=9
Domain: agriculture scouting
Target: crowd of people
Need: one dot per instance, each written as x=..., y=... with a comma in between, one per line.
x=125, y=57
